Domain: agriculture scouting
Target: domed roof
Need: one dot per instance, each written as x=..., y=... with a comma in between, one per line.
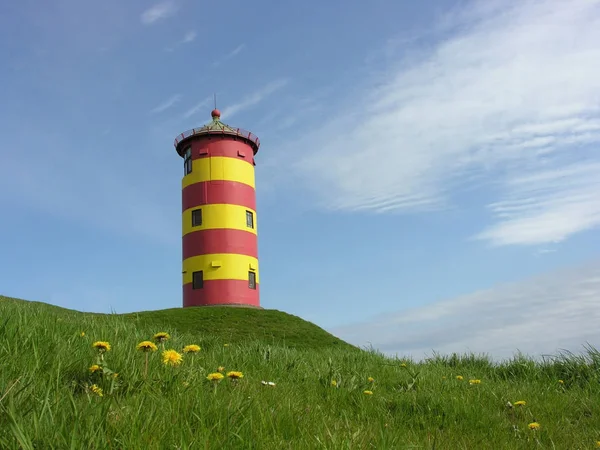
x=216, y=127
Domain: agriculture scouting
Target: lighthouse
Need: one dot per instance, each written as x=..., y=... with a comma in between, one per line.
x=219, y=223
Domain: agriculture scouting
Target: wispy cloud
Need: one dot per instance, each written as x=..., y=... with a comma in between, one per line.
x=255, y=98
x=190, y=36
x=166, y=104
x=158, y=12
x=229, y=55
x=194, y=109
x=499, y=321
x=512, y=90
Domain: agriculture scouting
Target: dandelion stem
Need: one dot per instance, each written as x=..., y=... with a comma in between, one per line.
x=146, y=365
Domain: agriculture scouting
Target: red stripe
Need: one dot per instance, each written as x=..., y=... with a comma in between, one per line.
x=204, y=148
x=213, y=192
x=220, y=240
x=221, y=292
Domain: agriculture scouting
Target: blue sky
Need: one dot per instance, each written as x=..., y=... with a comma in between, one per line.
x=428, y=178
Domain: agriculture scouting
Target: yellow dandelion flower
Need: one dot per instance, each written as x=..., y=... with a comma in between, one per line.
x=101, y=346
x=520, y=403
x=216, y=376
x=370, y=379
x=403, y=365
x=597, y=444
x=171, y=357
x=368, y=392
x=225, y=345
x=95, y=368
x=235, y=375
x=82, y=334
x=534, y=426
x=161, y=336
x=96, y=390
x=220, y=369
x=561, y=381
x=459, y=377
x=192, y=348
x=334, y=383
x=474, y=381
x=146, y=346
x=115, y=375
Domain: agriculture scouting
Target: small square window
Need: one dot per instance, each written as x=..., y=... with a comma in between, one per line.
x=197, y=217
x=252, y=280
x=249, y=219
x=198, y=280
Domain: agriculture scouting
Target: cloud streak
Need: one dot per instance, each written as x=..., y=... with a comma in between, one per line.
x=171, y=101
x=158, y=12
x=540, y=315
x=255, y=98
x=514, y=90
x=229, y=55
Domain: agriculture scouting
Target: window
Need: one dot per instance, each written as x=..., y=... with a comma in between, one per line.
x=252, y=280
x=249, y=219
x=198, y=280
x=187, y=161
x=197, y=217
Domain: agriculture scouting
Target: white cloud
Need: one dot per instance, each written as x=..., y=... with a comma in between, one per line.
x=166, y=104
x=254, y=98
x=229, y=55
x=158, y=12
x=190, y=36
x=515, y=89
x=540, y=315
x=194, y=109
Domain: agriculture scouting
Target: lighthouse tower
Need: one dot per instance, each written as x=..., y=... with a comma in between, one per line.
x=220, y=250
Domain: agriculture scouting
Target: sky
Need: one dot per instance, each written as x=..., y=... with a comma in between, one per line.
x=428, y=178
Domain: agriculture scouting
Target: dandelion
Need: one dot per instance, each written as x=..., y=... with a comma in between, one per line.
x=520, y=403
x=96, y=390
x=146, y=346
x=474, y=381
x=334, y=383
x=101, y=346
x=94, y=368
x=235, y=375
x=82, y=334
x=225, y=345
x=459, y=377
x=161, y=337
x=171, y=357
x=192, y=348
x=220, y=369
x=534, y=426
x=370, y=379
x=561, y=381
x=216, y=376
x=597, y=444
x=115, y=375
x=403, y=365
x=368, y=392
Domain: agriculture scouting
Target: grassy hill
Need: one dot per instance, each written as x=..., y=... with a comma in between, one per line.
x=57, y=391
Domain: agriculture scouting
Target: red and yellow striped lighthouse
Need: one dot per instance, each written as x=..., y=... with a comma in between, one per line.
x=220, y=242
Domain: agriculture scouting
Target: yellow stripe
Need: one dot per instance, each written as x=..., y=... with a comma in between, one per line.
x=218, y=216
x=217, y=266
x=219, y=168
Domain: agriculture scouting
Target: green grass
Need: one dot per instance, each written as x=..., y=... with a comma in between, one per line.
x=46, y=402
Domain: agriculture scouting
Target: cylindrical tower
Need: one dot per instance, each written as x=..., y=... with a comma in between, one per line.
x=220, y=241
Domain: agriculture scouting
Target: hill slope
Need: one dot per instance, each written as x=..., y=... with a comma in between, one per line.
x=58, y=391
x=225, y=323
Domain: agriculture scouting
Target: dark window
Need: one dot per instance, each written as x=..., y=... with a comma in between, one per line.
x=196, y=217
x=187, y=161
x=249, y=219
x=252, y=280
x=198, y=280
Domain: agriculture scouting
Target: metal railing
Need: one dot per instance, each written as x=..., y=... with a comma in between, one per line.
x=239, y=132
